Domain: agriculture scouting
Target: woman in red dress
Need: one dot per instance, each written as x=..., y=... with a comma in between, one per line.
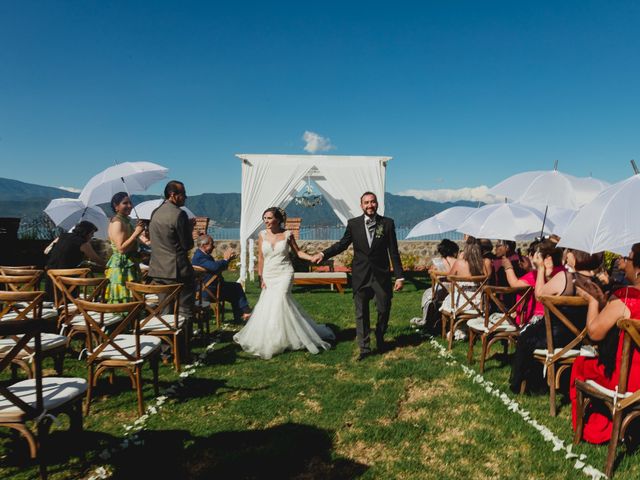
x=605, y=369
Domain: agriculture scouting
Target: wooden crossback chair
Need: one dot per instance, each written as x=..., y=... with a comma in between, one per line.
x=21, y=306
x=556, y=360
x=16, y=267
x=39, y=399
x=471, y=303
x=623, y=405
x=118, y=350
x=168, y=327
x=59, y=298
x=25, y=280
x=71, y=322
x=214, y=302
x=23, y=284
x=497, y=328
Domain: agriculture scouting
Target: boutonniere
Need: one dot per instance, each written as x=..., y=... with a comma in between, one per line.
x=379, y=231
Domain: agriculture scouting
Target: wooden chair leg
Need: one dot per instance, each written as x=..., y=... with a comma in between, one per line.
x=76, y=424
x=138, y=373
x=58, y=363
x=176, y=353
x=472, y=338
x=89, y=390
x=551, y=380
x=577, y=436
x=485, y=353
x=613, y=443
x=28, y=435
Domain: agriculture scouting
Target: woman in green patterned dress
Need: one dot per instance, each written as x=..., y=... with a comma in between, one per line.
x=123, y=265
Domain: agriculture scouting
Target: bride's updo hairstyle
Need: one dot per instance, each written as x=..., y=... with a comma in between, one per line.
x=278, y=213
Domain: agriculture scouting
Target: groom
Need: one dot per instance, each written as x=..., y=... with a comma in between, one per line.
x=374, y=242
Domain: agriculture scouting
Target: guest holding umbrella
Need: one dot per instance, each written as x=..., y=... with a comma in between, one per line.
x=123, y=265
x=70, y=249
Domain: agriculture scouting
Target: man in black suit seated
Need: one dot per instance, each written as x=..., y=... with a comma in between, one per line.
x=231, y=292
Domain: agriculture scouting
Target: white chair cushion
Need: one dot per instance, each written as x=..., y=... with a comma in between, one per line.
x=44, y=304
x=48, y=341
x=151, y=299
x=568, y=354
x=56, y=391
x=203, y=304
x=478, y=325
x=156, y=324
x=109, y=319
x=148, y=345
x=607, y=391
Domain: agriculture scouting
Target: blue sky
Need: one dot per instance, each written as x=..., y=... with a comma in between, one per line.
x=460, y=93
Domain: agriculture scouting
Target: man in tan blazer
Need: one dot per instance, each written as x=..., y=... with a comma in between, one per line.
x=170, y=232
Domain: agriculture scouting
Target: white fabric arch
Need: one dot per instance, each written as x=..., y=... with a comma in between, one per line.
x=274, y=180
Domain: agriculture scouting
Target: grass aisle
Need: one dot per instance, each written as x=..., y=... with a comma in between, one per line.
x=407, y=414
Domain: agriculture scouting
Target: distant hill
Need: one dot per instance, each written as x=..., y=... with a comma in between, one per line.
x=26, y=200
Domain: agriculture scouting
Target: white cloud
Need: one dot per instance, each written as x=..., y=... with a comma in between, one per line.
x=70, y=189
x=474, y=194
x=316, y=142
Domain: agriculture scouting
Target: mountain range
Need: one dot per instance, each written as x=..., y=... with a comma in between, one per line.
x=26, y=200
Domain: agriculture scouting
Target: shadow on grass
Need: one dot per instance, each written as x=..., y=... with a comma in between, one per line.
x=60, y=448
x=196, y=387
x=285, y=451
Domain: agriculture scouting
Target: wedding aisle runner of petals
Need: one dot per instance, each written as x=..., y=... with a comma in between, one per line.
x=513, y=406
x=131, y=431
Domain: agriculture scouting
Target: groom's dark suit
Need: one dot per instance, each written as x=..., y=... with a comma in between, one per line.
x=370, y=274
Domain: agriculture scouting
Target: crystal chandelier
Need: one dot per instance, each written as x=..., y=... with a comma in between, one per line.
x=308, y=199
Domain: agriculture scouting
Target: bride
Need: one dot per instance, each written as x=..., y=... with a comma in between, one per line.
x=278, y=323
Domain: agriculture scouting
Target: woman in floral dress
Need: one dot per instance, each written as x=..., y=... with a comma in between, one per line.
x=123, y=265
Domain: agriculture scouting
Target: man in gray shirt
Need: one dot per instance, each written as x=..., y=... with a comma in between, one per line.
x=170, y=232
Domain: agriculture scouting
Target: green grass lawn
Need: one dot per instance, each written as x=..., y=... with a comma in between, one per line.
x=409, y=413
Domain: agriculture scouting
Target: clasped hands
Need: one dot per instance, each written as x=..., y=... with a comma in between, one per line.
x=317, y=258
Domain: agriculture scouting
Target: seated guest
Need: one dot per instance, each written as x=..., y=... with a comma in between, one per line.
x=469, y=263
x=70, y=249
x=552, y=261
x=231, y=292
x=448, y=253
x=579, y=272
x=486, y=249
x=605, y=369
x=505, y=249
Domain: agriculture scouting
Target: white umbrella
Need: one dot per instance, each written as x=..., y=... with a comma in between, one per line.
x=130, y=177
x=505, y=221
x=549, y=188
x=67, y=212
x=144, y=210
x=561, y=218
x=445, y=221
x=609, y=222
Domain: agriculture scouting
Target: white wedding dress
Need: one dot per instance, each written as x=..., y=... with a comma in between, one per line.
x=278, y=323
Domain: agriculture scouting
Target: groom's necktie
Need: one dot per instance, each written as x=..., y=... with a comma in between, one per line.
x=370, y=223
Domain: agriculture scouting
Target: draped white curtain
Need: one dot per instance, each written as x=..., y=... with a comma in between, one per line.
x=343, y=180
x=273, y=181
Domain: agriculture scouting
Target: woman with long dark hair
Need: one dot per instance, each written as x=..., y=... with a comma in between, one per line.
x=123, y=266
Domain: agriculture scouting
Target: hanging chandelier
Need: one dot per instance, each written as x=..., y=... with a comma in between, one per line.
x=308, y=199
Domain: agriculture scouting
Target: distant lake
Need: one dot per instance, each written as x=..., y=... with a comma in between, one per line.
x=327, y=233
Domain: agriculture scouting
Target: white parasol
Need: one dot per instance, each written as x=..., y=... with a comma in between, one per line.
x=67, y=212
x=446, y=221
x=144, y=210
x=130, y=177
